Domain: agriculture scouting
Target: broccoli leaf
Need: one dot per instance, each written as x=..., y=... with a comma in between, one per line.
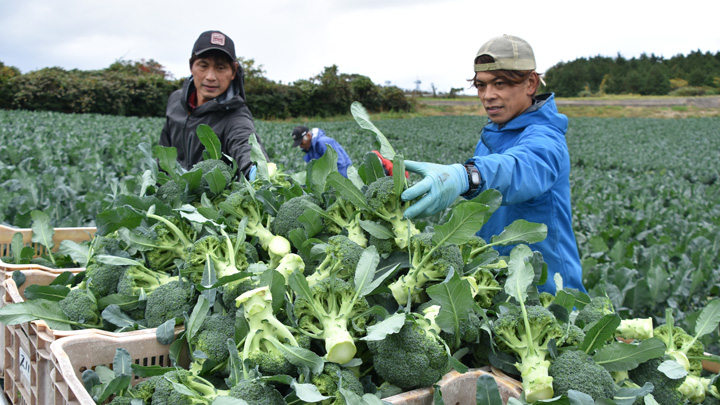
x=347, y=190
x=17, y=248
x=365, y=272
x=464, y=221
x=167, y=159
x=42, y=231
x=28, y=311
x=308, y=393
x=318, y=171
x=455, y=299
x=620, y=356
x=602, y=331
x=298, y=355
x=709, y=318
x=520, y=231
x=371, y=168
x=363, y=119
x=78, y=252
x=258, y=157
x=208, y=138
x=487, y=391
x=388, y=326
x=521, y=273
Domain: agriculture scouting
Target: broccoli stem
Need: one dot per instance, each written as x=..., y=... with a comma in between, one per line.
x=173, y=228
x=339, y=344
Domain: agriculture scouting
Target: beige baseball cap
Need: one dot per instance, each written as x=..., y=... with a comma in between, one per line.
x=509, y=52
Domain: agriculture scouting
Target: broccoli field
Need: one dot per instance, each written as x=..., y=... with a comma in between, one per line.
x=646, y=199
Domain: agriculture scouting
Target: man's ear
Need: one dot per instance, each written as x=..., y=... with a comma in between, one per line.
x=533, y=83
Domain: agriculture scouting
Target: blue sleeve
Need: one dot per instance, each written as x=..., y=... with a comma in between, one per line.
x=527, y=169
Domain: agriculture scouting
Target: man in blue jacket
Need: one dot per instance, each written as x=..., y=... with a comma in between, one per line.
x=314, y=143
x=522, y=153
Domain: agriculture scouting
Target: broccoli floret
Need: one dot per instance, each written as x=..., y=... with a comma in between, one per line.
x=168, y=301
x=139, y=278
x=384, y=246
x=483, y=286
x=102, y=279
x=429, y=264
x=576, y=370
x=341, y=259
x=287, y=217
x=144, y=389
x=242, y=204
x=332, y=378
x=162, y=244
x=198, y=390
x=473, y=248
x=526, y=333
x=682, y=347
x=80, y=306
x=413, y=357
x=344, y=217
x=335, y=314
x=172, y=192
x=226, y=257
x=211, y=339
x=597, y=308
x=264, y=332
x=384, y=204
x=665, y=389
x=256, y=392
x=573, y=336
x=119, y=400
x=209, y=165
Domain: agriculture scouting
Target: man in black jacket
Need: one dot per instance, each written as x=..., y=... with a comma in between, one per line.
x=214, y=94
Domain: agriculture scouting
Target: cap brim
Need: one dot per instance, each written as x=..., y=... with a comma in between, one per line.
x=201, y=51
x=297, y=142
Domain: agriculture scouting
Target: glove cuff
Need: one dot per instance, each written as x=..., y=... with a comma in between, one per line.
x=462, y=177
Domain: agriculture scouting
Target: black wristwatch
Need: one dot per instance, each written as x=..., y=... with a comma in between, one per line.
x=474, y=179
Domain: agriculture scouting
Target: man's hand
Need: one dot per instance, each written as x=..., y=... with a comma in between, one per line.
x=441, y=185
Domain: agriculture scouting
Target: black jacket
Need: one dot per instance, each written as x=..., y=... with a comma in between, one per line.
x=228, y=115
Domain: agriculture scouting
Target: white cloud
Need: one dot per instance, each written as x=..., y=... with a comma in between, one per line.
x=400, y=41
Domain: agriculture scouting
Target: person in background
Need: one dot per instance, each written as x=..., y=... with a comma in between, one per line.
x=522, y=153
x=314, y=143
x=214, y=94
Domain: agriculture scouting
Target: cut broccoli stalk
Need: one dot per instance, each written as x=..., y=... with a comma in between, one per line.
x=345, y=216
x=330, y=314
x=242, y=204
x=264, y=332
x=278, y=248
x=290, y=263
x=636, y=328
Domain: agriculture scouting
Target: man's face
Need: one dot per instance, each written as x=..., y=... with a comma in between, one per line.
x=306, y=142
x=212, y=76
x=502, y=99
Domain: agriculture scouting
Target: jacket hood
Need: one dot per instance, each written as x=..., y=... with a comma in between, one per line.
x=543, y=111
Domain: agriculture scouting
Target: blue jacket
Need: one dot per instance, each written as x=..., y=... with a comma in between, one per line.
x=527, y=160
x=319, y=145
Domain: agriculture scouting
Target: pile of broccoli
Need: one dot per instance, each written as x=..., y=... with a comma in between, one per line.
x=316, y=289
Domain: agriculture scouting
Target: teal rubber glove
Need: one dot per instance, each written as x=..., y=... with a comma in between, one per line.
x=441, y=186
x=253, y=173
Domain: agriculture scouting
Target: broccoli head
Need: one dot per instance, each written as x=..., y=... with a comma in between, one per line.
x=168, y=301
x=162, y=243
x=683, y=347
x=526, y=333
x=334, y=377
x=344, y=217
x=288, y=215
x=665, y=389
x=429, y=264
x=145, y=388
x=334, y=314
x=341, y=259
x=197, y=389
x=211, y=339
x=413, y=357
x=80, y=306
x=483, y=286
x=226, y=257
x=257, y=392
x=576, y=370
x=592, y=312
x=384, y=204
x=207, y=167
x=242, y=204
x=102, y=279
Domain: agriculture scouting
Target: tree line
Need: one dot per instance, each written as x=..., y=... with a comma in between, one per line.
x=141, y=88
x=128, y=88
x=696, y=74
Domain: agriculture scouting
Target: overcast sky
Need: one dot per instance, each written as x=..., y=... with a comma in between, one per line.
x=395, y=41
